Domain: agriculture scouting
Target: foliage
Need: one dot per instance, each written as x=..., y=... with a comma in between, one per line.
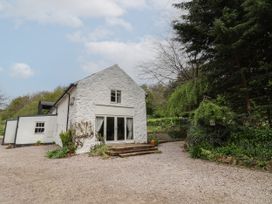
x=58, y=153
x=186, y=97
x=164, y=123
x=153, y=138
x=2, y=127
x=68, y=146
x=247, y=146
x=208, y=112
x=222, y=35
x=26, y=105
x=38, y=142
x=175, y=127
x=99, y=150
x=211, y=124
x=156, y=99
x=67, y=140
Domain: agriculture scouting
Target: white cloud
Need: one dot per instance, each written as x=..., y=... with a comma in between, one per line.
x=129, y=55
x=74, y=12
x=119, y=22
x=96, y=34
x=21, y=70
x=63, y=12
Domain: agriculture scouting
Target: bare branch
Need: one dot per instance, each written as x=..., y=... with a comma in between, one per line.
x=170, y=63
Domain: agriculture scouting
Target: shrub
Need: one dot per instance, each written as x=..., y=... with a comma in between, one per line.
x=211, y=114
x=214, y=135
x=68, y=146
x=99, y=150
x=175, y=127
x=67, y=140
x=164, y=123
x=38, y=142
x=58, y=153
x=154, y=138
x=211, y=124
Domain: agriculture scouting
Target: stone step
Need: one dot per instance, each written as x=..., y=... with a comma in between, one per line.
x=138, y=153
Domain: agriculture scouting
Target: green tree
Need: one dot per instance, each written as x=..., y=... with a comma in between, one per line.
x=232, y=40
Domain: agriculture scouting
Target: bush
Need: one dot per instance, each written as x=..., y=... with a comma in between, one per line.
x=58, y=153
x=175, y=127
x=211, y=114
x=211, y=124
x=67, y=140
x=154, y=138
x=99, y=150
x=164, y=123
x=2, y=127
x=68, y=146
x=214, y=135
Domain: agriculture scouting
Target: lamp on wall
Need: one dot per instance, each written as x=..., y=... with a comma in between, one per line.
x=72, y=101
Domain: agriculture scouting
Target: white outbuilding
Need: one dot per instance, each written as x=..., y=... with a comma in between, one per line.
x=109, y=100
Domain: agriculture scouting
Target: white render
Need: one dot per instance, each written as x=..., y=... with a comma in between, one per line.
x=86, y=99
x=10, y=131
x=26, y=130
x=92, y=98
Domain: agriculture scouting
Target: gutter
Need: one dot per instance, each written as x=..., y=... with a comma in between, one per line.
x=14, y=145
x=68, y=111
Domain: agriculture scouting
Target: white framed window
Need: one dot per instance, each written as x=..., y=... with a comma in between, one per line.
x=115, y=96
x=114, y=128
x=39, y=127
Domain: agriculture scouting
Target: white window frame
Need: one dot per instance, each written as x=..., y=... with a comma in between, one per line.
x=39, y=128
x=115, y=128
x=116, y=96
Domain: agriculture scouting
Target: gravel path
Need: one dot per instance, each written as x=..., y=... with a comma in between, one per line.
x=26, y=176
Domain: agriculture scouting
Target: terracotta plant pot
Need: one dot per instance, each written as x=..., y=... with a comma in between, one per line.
x=153, y=142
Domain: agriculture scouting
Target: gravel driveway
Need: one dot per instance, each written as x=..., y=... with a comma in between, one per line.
x=26, y=176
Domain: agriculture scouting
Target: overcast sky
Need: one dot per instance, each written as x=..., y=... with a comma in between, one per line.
x=47, y=43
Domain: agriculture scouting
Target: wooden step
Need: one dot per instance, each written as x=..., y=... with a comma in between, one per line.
x=138, y=153
x=129, y=147
x=124, y=151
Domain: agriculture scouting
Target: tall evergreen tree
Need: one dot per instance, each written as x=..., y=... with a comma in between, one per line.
x=232, y=39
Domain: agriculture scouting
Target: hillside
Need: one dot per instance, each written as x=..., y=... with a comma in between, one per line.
x=27, y=105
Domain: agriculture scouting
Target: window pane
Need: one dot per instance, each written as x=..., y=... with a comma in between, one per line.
x=113, y=97
x=99, y=126
x=110, y=128
x=129, y=128
x=120, y=128
x=118, y=96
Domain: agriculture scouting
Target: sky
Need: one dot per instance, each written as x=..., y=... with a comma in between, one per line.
x=50, y=43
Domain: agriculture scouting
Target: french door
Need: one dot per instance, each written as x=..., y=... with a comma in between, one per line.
x=114, y=128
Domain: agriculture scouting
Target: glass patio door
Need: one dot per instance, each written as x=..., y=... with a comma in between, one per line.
x=114, y=128
x=110, y=129
x=120, y=128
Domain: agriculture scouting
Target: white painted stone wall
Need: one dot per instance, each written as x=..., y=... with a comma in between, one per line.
x=95, y=91
x=26, y=130
x=61, y=120
x=10, y=130
x=62, y=113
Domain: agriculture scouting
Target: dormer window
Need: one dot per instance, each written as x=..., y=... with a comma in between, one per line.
x=115, y=96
